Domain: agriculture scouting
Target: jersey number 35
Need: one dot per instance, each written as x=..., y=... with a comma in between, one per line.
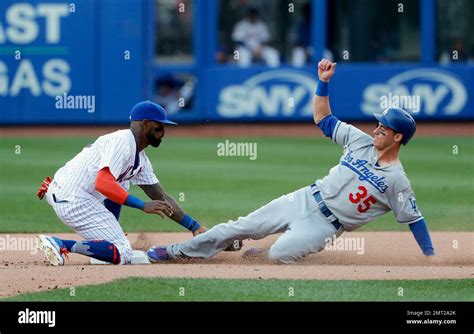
x=362, y=196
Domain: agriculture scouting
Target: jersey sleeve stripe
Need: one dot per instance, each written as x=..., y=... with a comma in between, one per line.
x=412, y=221
x=334, y=135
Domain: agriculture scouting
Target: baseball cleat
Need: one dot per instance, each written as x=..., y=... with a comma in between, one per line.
x=52, y=250
x=158, y=254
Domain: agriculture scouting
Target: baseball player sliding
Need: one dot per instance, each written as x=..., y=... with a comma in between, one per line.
x=88, y=192
x=368, y=182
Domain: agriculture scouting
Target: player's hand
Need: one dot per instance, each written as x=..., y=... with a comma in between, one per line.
x=200, y=230
x=162, y=208
x=326, y=70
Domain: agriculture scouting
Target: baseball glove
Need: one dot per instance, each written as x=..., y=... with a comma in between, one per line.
x=44, y=188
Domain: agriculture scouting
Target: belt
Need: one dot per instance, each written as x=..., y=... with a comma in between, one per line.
x=323, y=208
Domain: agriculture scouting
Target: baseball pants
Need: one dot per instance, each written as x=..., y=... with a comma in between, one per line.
x=269, y=55
x=89, y=218
x=306, y=230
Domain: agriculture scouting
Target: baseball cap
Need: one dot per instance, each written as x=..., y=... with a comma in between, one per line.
x=151, y=111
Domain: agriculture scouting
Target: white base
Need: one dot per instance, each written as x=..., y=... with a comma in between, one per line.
x=138, y=257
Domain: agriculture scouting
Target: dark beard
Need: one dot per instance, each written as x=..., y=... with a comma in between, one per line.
x=155, y=142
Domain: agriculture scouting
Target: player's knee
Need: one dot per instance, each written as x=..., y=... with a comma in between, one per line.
x=125, y=253
x=279, y=256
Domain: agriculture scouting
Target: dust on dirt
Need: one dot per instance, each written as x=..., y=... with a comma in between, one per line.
x=358, y=256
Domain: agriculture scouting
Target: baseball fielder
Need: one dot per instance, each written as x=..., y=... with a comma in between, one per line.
x=87, y=193
x=251, y=36
x=368, y=182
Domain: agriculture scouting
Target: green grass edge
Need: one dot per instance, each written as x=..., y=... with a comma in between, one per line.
x=200, y=289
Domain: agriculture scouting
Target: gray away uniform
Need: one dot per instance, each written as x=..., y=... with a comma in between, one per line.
x=356, y=191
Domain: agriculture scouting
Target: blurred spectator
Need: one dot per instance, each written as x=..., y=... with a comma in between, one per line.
x=374, y=30
x=251, y=36
x=170, y=46
x=454, y=42
x=457, y=53
x=174, y=94
x=302, y=52
x=222, y=55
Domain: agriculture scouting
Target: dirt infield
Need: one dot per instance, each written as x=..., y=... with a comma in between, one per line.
x=232, y=130
x=369, y=255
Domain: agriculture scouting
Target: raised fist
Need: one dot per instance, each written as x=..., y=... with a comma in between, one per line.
x=326, y=70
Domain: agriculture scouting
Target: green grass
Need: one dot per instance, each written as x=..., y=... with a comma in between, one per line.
x=171, y=289
x=217, y=189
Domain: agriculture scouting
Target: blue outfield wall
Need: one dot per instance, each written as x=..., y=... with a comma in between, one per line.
x=356, y=91
x=84, y=48
x=104, y=49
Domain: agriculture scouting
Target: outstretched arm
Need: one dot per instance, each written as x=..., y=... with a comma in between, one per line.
x=422, y=237
x=156, y=192
x=106, y=185
x=321, y=107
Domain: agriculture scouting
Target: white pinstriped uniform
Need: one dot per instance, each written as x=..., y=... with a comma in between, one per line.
x=80, y=206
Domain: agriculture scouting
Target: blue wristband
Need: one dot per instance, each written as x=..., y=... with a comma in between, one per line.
x=134, y=202
x=322, y=89
x=190, y=223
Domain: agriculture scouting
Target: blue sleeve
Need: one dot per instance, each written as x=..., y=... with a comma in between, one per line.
x=327, y=125
x=422, y=236
x=113, y=207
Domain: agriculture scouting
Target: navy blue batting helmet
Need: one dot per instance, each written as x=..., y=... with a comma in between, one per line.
x=398, y=120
